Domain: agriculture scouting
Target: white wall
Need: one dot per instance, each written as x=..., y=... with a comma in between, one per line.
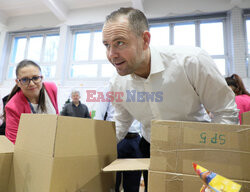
x=186, y=7
x=27, y=22
x=47, y=20
x=91, y=15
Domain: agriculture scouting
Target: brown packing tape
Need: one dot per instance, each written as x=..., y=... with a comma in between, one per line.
x=176, y=153
x=166, y=181
x=162, y=140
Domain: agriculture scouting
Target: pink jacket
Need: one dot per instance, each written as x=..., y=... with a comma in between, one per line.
x=18, y=104
x=243, y=104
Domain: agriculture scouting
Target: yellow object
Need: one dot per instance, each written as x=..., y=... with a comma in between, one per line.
x=215, y=182
x=222, y=184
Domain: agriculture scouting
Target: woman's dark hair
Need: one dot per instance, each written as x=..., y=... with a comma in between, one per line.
x=41, y=101
x=236, y=82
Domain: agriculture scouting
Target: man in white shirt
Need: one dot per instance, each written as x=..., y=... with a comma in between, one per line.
x=126, y=148
x=172, y=83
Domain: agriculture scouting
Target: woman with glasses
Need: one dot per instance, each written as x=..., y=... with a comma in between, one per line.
x=242, y=96
x=29, y=95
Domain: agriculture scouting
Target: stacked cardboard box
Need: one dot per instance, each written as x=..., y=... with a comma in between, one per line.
x=224, y=149
x=6, y=155
x=55, y=153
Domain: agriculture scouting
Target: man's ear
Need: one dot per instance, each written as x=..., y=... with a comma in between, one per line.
x=146, y=38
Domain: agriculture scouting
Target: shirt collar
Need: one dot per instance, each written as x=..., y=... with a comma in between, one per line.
x=156, y=64
x=75, y=105
x=156, y=61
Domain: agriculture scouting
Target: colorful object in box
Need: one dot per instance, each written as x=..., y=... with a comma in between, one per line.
x=92, y=114
x=214, y=181
x=204, y=188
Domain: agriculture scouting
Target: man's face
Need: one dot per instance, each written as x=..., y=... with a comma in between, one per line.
x=75, y=97
x=124, y=48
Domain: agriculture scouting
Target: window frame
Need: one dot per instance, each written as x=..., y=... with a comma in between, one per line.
x=197, y=20
x=247, y=58
x=28, y=34
x=89, y=28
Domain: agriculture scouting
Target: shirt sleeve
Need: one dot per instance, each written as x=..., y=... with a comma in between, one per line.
x=123, y=120
x=110, y=112
x=211, y=88
x=100, y=110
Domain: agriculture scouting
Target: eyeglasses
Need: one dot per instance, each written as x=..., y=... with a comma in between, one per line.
x=26, y=80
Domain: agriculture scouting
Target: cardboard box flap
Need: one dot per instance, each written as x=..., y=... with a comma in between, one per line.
x=6, y=146
x=31, y=130
x=55, y=153
x=219, y=147
x=128, y=165
x=69, y=137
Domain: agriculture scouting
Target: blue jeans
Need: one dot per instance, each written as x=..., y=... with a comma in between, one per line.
x=145, y=149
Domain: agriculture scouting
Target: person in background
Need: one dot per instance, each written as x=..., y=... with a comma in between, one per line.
x=29, y=95
x=1, y=111
x=2, y=127
x=242, y=96
x=165, y=83
x=126, y=148
x=75, y=108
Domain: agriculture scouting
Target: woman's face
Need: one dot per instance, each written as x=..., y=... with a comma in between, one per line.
x=30, y=88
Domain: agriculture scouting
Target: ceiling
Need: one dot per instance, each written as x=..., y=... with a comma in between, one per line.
x=61, y=8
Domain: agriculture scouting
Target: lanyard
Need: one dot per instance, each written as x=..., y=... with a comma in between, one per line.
x=31, y=107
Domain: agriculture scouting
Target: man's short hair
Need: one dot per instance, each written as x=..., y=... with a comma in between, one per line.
x=75, y=91
x=137, y=20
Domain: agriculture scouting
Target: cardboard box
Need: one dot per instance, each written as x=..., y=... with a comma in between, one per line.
x=174, y=182
x=62, y=154
x=128, y=165
x=245, y=118
x=6, y=156
x=224, y=149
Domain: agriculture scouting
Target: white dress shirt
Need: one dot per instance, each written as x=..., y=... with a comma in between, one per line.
x=103, y=107
x=183, y=80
